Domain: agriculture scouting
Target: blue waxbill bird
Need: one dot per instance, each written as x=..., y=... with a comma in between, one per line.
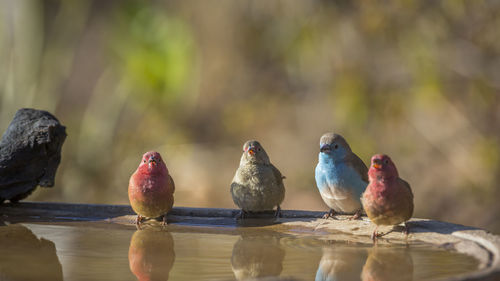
x=341, y=176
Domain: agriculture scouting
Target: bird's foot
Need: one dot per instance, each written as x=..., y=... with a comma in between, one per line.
x=138, y=221
x=278, y=212
x=330, y=214
x=164, y=220
x=375, y=235
x=241, y=215
x=356, y=215
x=406, y=229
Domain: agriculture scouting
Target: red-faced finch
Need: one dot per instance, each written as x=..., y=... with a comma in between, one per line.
x=151, y=188
x=388, y=199
x=257, y=185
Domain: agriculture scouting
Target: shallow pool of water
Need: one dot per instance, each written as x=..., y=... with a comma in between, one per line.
x=104, y=251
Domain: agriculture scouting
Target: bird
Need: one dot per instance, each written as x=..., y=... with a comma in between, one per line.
x=388, y=199
x=151, y=188
x=258, y=184
x=341, y=176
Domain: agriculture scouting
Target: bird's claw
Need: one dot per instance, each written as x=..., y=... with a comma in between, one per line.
x=138, y=221
x=241, y=215
x=375, y=235
x=278, y=212
x=356, y=216
x=406, y=229
x=330, y=214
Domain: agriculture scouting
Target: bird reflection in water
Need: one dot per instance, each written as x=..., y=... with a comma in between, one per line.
x=257, y=257
x=341, y=262
x=26, y=257
x=388, y=264
x=151, y=254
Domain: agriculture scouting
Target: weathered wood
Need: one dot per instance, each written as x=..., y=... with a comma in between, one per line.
x=30, y=152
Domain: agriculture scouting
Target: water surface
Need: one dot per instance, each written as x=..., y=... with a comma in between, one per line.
x=105, y=251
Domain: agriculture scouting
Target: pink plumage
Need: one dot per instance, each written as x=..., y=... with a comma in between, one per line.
x=151, y=188
x=388, y=199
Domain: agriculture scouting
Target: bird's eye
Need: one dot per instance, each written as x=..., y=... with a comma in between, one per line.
x=336, y=146
x=144, y=160
x=386, y=161
x=259, y=149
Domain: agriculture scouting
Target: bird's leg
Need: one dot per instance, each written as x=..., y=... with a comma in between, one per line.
x=356, y=215
x=278, y=212
x=164, y=221
x=241, y=214
x=138, y=221
x=406, y=229
x=375, y=234
x=330, y=214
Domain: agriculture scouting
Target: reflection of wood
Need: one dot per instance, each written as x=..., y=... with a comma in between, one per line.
x=476, y=242
x=30, y=152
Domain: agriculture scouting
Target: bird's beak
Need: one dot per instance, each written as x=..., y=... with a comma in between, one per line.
x=251, y=151
x=324, y=147
x=152, y=161
x=376, y=164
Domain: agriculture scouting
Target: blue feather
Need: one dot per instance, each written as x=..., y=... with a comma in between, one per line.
x=336, y=178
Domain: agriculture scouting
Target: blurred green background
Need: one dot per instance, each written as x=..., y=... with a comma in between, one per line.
x=418, y=80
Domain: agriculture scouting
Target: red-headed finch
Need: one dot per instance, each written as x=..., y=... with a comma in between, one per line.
x=388, y=199
x=151, y=188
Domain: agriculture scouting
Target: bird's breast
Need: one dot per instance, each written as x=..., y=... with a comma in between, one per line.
x=255, y=176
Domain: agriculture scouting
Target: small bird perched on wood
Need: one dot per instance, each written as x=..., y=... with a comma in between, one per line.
x=257, y=184
x=388, y=199
x=341, y=176
x=151, y=188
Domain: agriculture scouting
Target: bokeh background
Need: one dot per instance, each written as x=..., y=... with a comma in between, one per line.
x=418, y=80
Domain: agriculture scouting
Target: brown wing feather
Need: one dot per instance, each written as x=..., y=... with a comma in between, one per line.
x=172, y=181
x=278, y=175
x=354, y=161
x=407, y=185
